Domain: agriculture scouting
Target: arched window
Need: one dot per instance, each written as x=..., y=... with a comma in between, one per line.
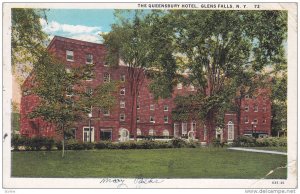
x=166, y=133
x=230, y=130
x=138, y=132
x=151, y=132
x=124, y=134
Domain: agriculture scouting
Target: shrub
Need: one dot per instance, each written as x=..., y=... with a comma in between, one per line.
x=16, y=141
x=245, y=141
x=178, y=143
x=58, y=145
x=88, y=146
x=49, y=143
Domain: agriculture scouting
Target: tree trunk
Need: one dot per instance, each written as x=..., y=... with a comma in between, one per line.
x=63, y=142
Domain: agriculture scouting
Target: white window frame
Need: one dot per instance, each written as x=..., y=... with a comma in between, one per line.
x=230, y=130
x=152, y=107
x=255, y=108
x=138, y=132
x=184, y=129
x=106, y=113
x=106, y=77
x=138, y=105
x=92, y=133
x=138, y=119
x=151, y=132
x=122, y=104
x=166, y=108
x=69, y=53
x=152, y=118
x=122, y=115
x=123, y=78
x=124, y=134
x=246, y=121
x=255, y=121
x=166, y=119
x=86, y=59
x=122, y=91
x=247, y=108
x=246, y=96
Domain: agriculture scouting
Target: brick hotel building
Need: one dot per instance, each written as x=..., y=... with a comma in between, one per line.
x=154, y=118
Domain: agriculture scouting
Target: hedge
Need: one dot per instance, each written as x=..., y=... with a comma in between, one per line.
x=37, y=143
x=244, y=141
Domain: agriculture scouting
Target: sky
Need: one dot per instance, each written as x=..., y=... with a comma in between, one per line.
x=81, y=24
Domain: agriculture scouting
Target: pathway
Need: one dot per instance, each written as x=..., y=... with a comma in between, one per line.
x=259, y=151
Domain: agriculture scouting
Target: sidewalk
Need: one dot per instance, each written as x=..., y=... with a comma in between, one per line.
x=259, y=151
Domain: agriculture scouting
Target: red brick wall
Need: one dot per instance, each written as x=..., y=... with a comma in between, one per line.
x=58, y=47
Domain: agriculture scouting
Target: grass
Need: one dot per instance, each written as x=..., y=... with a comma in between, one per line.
x=161, y=163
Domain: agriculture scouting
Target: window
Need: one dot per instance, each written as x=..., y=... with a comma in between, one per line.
x=247, y=96
x=89, y=59
x=193, y=126
x=166, y=108
x=138, y=105
x=122, y=91
x=106, y=134
x=88, y=134
x=151, y=132
x=184, y=128
x=68, y=70
x=151, y=106
x=152, y=119
x=138, y=119
x=122, y=104
x=70, y=55
x=166, y=133
x=124, y=134
x=265, y=109
x=106, y=77
x=89, y=91
x=264, y=121
x=255, y=121
x=122, y=78
x=122, y=117
x=176, y=129
x=230, y=130
x=106, y=112
x=246, y=120
x=246, y=108
x=138, y=132
x=255, y=108
x=179, y=86
x=166, y=119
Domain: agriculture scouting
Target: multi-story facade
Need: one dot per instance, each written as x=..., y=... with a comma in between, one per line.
x=154, y=118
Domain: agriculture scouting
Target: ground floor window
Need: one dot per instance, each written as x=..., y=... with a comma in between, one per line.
x=106, y=134
x=230, y=130
x=191, y=135
x=184, y=128
x=138, y=132
x=166, y=133
x=124, y=134
x=88, y=134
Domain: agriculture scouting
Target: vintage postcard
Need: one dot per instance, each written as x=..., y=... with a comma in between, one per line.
x=150, y=95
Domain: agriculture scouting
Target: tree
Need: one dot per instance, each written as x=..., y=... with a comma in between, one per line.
x=219, y=46
x=62, y=99
x=27, y=40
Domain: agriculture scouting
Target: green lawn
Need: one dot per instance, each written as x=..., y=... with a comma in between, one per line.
x=161, y=163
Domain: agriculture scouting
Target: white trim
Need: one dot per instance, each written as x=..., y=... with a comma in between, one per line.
x=166, y=121
x=120, y=117
x=184, y=127
x=166, y=133
x=166, y=108
x=123, y=138
x=86, y=57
